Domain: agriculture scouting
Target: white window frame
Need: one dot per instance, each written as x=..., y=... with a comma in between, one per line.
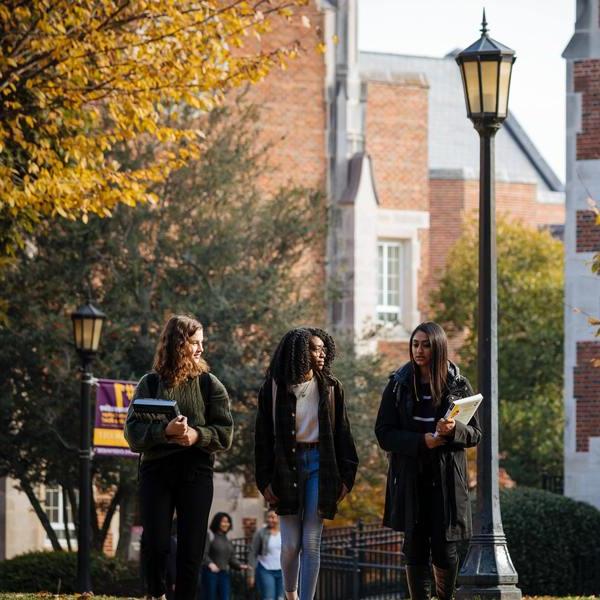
x=53, y=510
x=395, y=310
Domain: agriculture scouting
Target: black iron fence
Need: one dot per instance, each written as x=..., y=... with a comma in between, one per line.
x=365, y=562
x=553, y=483
x=357, y=563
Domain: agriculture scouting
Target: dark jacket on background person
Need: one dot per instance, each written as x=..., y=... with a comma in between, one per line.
x=213, y=423
x=398, y=434
x=275, y=454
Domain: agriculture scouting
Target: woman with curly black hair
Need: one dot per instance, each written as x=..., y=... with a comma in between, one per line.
x=305, y=456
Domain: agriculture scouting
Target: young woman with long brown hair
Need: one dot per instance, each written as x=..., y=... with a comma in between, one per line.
x=176, y=470
x=427, y=496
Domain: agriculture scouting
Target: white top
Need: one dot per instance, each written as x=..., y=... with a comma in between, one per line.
x=307, y=411
x=272, y=559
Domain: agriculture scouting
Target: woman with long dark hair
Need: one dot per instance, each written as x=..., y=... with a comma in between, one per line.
x=305, y=455
x=427, y=495
x=176, y=471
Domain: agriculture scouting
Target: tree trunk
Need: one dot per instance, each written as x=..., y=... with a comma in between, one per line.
x=94, y=520
x=74, y=508
x=65, y=513
x=110, y=513
x=126, y=516
x=41, y=515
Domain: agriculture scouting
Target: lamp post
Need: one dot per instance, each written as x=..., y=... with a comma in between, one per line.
x=87, y=327
x=488, y=571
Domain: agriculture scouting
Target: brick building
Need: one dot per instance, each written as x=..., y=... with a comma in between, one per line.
x=423, y=183
x=582, y=241
x=386, y=138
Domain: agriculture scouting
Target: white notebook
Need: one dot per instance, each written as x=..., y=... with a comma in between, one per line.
x=463, y=409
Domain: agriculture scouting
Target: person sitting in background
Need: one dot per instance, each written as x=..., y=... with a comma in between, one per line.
x=219, y=560
x=265, y=559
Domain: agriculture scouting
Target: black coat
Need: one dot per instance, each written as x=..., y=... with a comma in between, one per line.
x=397, y=433
x=275, y=450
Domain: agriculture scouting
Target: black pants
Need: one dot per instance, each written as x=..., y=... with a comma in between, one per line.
x=428, y=537
x=182, y=482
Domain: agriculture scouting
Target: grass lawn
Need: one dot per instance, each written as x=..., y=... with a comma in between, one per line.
x=48, y=596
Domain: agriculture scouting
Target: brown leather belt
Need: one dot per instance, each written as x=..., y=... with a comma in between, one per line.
x=307, y=445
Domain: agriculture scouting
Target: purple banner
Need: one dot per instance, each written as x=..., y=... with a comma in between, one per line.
x=112, y=401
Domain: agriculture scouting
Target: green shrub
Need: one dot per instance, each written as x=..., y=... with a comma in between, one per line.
x=554, y=542
x=57, y=571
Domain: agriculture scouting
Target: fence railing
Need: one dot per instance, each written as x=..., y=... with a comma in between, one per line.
x=365, y=562
x=359, y=562
x=553, y=483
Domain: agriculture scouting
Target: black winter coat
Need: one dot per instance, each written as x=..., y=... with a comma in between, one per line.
x=397, y=433
x=275, y=449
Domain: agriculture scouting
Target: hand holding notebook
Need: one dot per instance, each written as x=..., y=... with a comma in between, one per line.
x=463, y=409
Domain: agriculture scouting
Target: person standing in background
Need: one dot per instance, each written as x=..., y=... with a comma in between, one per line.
x=219, y=559
x=265, y=559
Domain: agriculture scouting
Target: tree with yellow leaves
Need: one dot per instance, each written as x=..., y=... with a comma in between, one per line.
x=82, y=80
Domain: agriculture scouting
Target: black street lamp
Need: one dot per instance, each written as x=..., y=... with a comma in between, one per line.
x=87, y=327
x=487, y=571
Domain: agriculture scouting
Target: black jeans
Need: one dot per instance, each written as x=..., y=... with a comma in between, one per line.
x=183, y=482
x=428, y=537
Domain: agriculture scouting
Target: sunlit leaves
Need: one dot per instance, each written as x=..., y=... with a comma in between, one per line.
x=80, y=80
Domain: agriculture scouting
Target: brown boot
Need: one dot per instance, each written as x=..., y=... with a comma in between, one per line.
x=419, y=582
x=445, y=582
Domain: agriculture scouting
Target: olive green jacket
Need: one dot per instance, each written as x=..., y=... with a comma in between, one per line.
x=213, y=423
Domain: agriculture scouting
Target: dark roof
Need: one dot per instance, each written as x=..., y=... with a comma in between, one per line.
x=538, y=161
x=556, y=231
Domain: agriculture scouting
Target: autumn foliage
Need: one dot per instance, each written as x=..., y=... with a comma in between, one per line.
x=84, y=80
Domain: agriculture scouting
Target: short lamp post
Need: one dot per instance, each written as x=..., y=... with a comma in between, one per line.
x=87, y=327
x=488, y=571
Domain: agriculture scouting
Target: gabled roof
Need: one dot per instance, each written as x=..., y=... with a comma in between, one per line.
x=545, y=171
x=453, y=143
